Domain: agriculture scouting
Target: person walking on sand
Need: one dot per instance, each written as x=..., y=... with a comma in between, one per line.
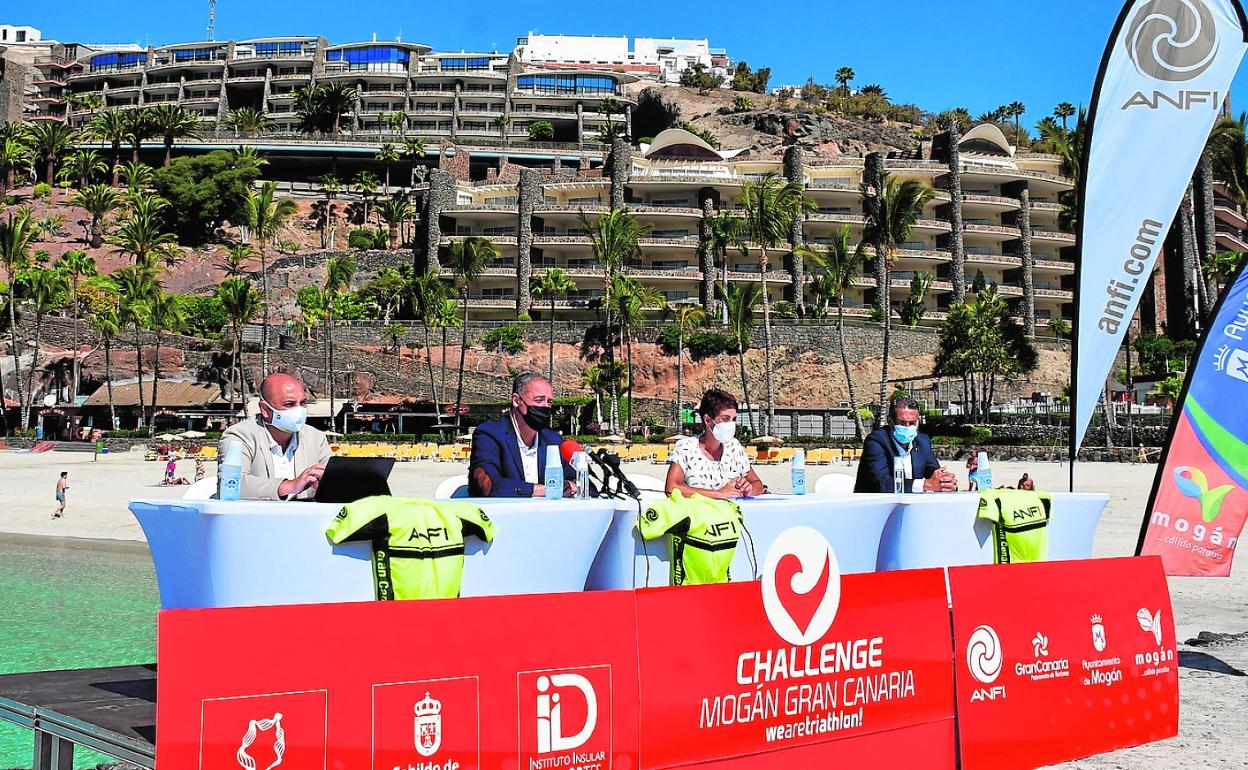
x=62, y=484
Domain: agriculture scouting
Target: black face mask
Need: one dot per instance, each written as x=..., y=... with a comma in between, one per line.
x=537, y=417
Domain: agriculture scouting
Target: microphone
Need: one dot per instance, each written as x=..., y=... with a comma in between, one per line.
x=569, y=448
x=610, y=463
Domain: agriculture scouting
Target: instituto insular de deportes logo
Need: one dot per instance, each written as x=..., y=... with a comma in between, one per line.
x=1172, y=40
x=801, y=586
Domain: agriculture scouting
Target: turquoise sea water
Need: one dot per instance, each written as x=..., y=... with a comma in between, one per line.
x=72, y=604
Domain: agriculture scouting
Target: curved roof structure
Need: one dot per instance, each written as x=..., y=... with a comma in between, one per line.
x=679, y=143
x=986, y=137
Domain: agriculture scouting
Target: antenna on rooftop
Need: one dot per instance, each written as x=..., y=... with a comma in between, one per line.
x=212, y=18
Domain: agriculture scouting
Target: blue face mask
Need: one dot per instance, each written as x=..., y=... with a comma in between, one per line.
x=904, y=434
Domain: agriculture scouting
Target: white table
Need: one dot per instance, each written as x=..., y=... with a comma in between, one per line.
x=931, y=530
x=210, y=553
x=851, y=523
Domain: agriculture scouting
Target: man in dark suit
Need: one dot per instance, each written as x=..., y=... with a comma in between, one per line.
x=901, y=438
x=509, y=453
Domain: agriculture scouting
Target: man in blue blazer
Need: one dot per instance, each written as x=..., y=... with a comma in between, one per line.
x=901, y=438
x=509, y=453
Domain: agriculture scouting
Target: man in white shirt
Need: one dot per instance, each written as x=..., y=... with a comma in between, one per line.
x=509, y=453
x=283, y=457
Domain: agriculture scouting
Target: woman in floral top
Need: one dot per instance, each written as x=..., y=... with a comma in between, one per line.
x=713, y=464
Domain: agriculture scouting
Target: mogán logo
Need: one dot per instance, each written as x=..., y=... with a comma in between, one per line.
x=801, y=586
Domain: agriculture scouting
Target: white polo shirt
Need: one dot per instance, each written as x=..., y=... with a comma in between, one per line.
x=284, y=461
x=528, y=454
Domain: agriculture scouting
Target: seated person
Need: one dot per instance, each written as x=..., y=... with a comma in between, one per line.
x=901, y=438
x=283, y=457
x=713, y=464
x=509, y=453
x=1027, y=483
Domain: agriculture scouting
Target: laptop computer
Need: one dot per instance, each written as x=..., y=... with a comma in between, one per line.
x=348, y=479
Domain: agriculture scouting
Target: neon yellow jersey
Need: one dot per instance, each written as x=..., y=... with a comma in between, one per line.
x=704, y=535
x=418, y=545
x=1020, y=520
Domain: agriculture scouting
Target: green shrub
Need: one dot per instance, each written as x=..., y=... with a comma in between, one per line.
x=524, y=318
x=362, y=238
x=42, y=191
x=700, y=344
x=508, y=338
x=204, y=191
x=981, y=434
x=541, y=131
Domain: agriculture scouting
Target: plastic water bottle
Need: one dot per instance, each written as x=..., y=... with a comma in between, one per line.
x=580, y=462
x=899, y=475
x=798, y=472
x=554, y=474
x=230, y=473
x=984, y=473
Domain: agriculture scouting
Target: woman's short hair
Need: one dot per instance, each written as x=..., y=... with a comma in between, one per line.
x=715, y=401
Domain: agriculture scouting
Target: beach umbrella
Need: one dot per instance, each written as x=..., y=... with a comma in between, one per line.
x=614, y=438
x=333, y=433
x=168, y=437
x=192, y=434
x=771, y=440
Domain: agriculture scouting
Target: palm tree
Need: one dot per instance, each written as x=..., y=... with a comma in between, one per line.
x=687, y=317
x=414, y=148
x=136, y=286
x=331, y=188
x=45, y=290
x=891, y=213
x=104, y=323
x=248, y=120
x=629, y=301
x=16, y=236
x=1063, y=111
x=110, y=126
x=236, y=255
x=81, y=167
x=366, y=185
x=339, y=272
x=615, y=238
x=139, y=126
x=427, y=293
x=550, y=284
x=841, y=265
x=76, y=265
x=14, y=154
x=501, y=122
x=171, y=122
x=843, y=76
x=137, y=176
x=335, y=100
x=394, y=212
x=266, y=214
x=443, y=318
x=1015, y=110
x=771, y=205
x=140, y=234
x=386, y=155
x=469, y=259
x=726, y=232
x=99, y=200
x=241, y=303
x=249, y=158
x=164, y=314
x=742, y=302
x=50, y=141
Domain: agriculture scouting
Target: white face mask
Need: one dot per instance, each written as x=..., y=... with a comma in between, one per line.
x=288, y=420
x=724, y=431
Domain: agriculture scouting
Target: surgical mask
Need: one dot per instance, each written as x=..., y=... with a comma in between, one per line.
x=904, y=434
x=288, y=420
x=537, y=417
x=724, y=431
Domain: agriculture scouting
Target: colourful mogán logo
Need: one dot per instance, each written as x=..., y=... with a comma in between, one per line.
x=801, y=586
x=1193, y=483
x=1172, y=40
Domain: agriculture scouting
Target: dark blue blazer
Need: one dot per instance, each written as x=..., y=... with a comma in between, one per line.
x=496, y=457
x=875, y=469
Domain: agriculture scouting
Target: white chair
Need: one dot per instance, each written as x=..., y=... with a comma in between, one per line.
x=204, y=489
x=834, y=483
x=455, y=486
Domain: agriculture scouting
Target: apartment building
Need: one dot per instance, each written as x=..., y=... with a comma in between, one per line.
x=651, y=58
x=1005, y=222
x=400, y=88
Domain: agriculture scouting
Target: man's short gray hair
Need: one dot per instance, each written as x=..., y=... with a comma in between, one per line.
x=901, y=402
x=522, y=382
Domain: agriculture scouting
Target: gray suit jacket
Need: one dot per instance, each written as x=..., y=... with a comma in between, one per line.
x=258, y=481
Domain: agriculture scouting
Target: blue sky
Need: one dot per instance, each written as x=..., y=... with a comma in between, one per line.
x=976, y=54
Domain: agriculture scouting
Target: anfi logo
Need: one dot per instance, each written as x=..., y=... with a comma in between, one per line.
x=1172, y=40
x=1150, y=622
x=428, y=726
x=801, y=586
x=983, y=654
x=258, y=726
x=1041, y=645
x=550, y=730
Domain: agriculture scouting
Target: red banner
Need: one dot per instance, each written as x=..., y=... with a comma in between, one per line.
x=1061, y=660
x=541, y=681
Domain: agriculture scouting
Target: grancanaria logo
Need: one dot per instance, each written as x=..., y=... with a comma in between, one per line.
x=1172, y=40
x=1193, y=483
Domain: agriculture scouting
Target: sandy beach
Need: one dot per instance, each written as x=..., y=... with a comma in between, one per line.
x=1214, y=698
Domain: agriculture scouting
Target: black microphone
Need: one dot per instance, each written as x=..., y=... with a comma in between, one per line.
x=611, y=464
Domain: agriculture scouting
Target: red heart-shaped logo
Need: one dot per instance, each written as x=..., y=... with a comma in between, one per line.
x=800, y=606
